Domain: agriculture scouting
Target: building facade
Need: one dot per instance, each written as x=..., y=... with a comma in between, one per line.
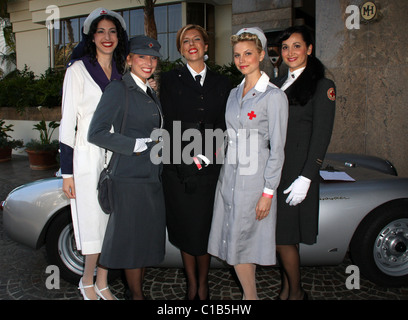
x=370, y=68
x=366, y=58
x=46, y=32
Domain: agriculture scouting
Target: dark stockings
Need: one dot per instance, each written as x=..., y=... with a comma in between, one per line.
x=290, y=271
x=134, y=278
x=196, y=268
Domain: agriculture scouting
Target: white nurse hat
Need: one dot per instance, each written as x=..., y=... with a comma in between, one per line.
x=258, y=32
x=100, y=12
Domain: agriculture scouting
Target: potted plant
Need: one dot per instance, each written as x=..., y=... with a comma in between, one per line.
x=7, y=144
x=42, y=154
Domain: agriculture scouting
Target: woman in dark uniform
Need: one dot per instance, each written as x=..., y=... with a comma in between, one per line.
x=135, y=235
x=192, y=97
x=311, y=115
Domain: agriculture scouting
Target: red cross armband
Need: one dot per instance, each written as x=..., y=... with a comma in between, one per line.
x=198, y=163
x=267, y=195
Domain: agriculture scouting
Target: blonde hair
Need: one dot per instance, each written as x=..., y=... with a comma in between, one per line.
x=246, y=36
x=183, y=30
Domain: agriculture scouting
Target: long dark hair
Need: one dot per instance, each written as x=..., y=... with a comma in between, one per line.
x=303, y=89
x=119, y=55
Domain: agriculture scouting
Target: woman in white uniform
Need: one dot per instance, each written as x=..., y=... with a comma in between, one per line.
x=81, y=162
x=243, y=226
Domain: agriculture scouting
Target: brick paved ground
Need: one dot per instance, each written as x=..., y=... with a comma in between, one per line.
x=23, y=276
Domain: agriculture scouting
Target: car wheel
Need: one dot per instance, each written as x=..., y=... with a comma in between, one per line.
x=61, y=248
x=380, y=246
x=62, y=251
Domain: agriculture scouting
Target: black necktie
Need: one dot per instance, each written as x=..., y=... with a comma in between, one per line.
x=149, y=92
x=198, y=80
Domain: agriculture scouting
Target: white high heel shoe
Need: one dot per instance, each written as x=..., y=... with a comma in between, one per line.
x=82, y=288
x=99, y=293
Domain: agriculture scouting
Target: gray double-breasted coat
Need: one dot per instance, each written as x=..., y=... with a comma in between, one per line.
x=135, y=235
x=256, y=128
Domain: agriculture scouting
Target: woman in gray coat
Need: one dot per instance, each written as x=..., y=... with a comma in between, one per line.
x=135, y=235
x=243, y=226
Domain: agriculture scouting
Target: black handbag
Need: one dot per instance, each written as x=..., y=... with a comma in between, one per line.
x=105, y=193
x=105, y=183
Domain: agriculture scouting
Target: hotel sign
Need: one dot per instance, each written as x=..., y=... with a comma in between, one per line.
x=368, y=11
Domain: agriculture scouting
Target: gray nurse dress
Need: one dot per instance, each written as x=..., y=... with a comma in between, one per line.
x=256, y=127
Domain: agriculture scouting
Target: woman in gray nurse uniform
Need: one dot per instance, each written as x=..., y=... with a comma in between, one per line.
x=135, y=235
x=243, y=226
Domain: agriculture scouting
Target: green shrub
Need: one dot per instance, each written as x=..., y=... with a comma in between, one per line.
x=228, y=70
x=21, y=89
x=49, y=88
x=36, y=145
x=16, y=89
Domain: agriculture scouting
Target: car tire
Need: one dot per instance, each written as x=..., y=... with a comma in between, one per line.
x=380, y=246
x=61, y=249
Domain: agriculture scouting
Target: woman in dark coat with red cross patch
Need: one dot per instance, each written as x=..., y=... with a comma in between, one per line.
x=311, y=115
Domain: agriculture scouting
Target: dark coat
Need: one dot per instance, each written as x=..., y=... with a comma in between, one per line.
x=196, y=107
x=311, y=117
x=189, y=193
x=135, y=235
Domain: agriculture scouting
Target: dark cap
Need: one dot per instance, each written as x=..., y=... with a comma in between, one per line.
x=145, y=45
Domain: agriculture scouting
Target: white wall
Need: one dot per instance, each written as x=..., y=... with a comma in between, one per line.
x=23, y=130
x=32, y=50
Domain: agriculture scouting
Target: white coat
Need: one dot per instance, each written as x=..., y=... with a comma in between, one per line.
x=81, y=95
x=256, y=128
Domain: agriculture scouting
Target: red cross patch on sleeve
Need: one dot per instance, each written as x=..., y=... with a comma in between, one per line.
x=331, y=94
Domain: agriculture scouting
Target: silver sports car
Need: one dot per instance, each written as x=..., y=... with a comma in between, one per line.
x=363, y=209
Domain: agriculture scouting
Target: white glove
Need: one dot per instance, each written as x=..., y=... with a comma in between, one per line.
x=298, y=191
x=140, y=145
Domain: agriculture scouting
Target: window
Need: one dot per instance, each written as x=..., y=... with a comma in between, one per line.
x=65, y=39
x=168, y=21
x=203, y=15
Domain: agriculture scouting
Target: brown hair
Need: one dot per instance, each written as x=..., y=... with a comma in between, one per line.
x=183, y=30
x=246, y=36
